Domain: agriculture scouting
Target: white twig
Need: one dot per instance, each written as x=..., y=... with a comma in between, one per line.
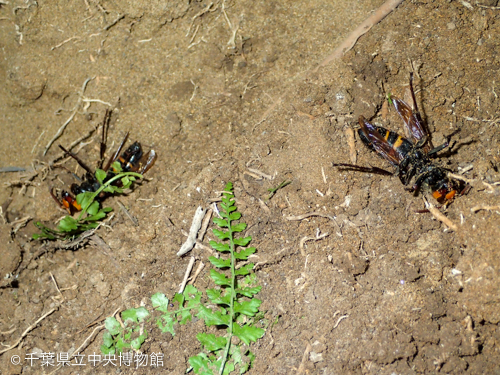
x=28, y=330
x=186, y=275
x=75, y=110
x=197, y=272
x=204, y=225
x=363, y=28
x=438, y=215
x=193, y=231
x=340, y=319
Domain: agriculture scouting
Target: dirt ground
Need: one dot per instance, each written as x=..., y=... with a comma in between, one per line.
x=223, y=93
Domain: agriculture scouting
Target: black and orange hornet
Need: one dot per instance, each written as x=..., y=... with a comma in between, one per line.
x=412, y=157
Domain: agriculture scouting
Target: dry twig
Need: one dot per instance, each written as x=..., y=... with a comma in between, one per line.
x=28, y=330
x=186, y=275
x=362, y=29
x=438, y=215
x=345, y=46
x=483, y=207
x=302, y=366
x=193, y=231
x=75, y=110
x=197, y=272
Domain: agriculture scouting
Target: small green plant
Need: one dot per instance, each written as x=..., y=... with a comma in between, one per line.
x=231, y=304
x=117, y=338
x=273, y=191
x=91, y=212
x=234, y=297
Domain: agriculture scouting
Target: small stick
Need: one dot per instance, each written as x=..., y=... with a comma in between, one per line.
x=203, y=247
x=193, y=231
x=261, y=174
x=305, y=239
x=257, y=177
x=28, y=330
x=488, y=208
x=204, y=225
x=128, y=214
x=55, y=283
x=195, y=87
x=75, y=110
x=462, y=178
x=349, y=133
x=273, y=191
x=345, y=46
x=305, y=216
x=340, y=319
x=304, y=359
x=199, y=14
x=114, y=22
x=197, y=272
x=362, y=29
x=36, y=143
x=64, y=42
x=186, y=275
x=438, y=215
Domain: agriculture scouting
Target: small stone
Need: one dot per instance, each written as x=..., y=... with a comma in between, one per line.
x=315, y=357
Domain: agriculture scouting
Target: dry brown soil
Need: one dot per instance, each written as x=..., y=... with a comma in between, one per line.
x=385, y=291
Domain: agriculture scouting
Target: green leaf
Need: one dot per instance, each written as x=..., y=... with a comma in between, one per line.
x=112, y=325
x=214, y=295
x=243, y=254
x=249, y=292
x=229, y=187
x=235, y=216
x=213, y=318
x=116, y=166
x=247, y=333
x=121, y=344
x=46, y=232
x=169, y=323
x=107, y=339
x=135, y=315
x=192, y=296
x=98, y=216
x=199, y=363
x=245, y=270
x=222, y=247
x=137, y=342
x=107, y=351
x=160, y=302
x=220, y=263
x=389, y=99
x=221, y=234
x=179, y=298
x=85, y=199
x=211, y=342
x=228, y=206
x=109, y=189
x=68, y=224
x=242, y=241
x=219, y=278
x=238, y=227
x=185, y=316
x=220, y=222
x=100, y=175
x=228, y=200
x=248, y=308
